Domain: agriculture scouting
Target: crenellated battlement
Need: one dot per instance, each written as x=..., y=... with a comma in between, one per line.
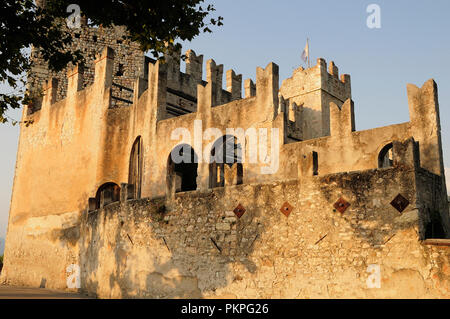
x=250, y=88
x=319, y=76
x=339, y=87
x=305, y=96
x=103, y=156
x=182, y=86
x=178, y=91
x=313, y=90
x=74, y=80
x=98, y=183
x=130, y=62
x=234, y=85
x=194, y=65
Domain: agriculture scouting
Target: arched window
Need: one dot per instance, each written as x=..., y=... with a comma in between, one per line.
x=386, y=157
x=225, y=151
x=110, y=193
x=135, y=170
x=182, y=167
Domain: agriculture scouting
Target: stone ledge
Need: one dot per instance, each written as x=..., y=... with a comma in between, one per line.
x=436, y=242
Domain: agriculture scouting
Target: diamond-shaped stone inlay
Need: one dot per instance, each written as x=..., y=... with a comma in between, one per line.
x=400, y=203
x=239, y=210
x=341, y=205
x=286, y=209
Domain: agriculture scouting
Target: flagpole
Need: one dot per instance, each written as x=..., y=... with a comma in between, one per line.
x=309, y=53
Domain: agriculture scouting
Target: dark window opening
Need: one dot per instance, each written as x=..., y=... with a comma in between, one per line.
x=434, y=229
x=315, y=163
x=120, y=70
x=225, y=151
x=110, y=193
x=386, y=157
x=94, y=38
x=135, y=170
x=182, y=169
x=179, y=103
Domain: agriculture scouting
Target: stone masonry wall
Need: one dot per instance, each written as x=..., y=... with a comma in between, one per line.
x=129, y=62
x=312, y=90
x=197, y=247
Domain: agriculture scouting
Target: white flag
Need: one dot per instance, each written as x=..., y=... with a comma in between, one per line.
x=305, y=54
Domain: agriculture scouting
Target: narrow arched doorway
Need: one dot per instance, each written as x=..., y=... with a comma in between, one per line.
x=135, y=168
x=182, y=166
x=225, y=151
x=110, y=192
x=386, y=156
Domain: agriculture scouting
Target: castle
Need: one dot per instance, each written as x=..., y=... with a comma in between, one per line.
x=323, y=211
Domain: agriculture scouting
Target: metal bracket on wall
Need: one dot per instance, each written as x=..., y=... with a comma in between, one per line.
x=341, y=205
x=400, y=203
x=239, y=210
x=286, y=209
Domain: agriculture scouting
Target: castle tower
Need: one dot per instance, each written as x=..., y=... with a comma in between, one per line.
x=312, y=90
x=129, y=64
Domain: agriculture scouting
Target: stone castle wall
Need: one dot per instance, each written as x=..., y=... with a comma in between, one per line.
x=81, y=142
x=130, y=62
x=199, y=248
x=313, y=90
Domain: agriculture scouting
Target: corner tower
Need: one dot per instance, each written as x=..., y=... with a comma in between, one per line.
x=130, y=62
x=312, y=90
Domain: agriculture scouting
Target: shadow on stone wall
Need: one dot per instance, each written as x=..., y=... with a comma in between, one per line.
x=195, y=245
x=370, y=215
x=141, y=249
x=382, y=202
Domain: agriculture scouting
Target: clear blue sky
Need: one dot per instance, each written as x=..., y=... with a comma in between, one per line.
x=412, y=46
